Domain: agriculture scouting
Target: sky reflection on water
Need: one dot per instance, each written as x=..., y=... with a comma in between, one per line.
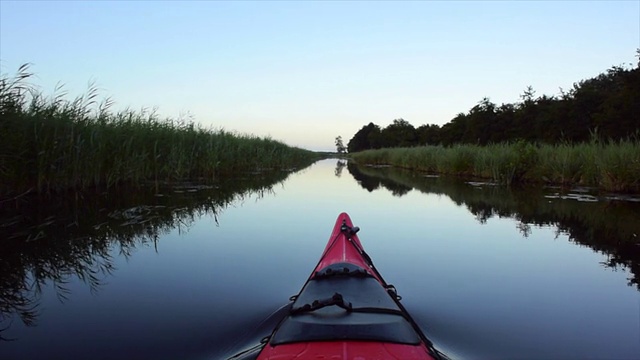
x=480, y=289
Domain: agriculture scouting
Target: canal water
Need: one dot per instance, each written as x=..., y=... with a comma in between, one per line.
x=202, y=272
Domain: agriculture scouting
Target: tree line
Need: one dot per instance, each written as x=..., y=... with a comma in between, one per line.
x=606, y=106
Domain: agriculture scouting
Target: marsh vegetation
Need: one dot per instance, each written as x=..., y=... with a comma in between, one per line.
x=612, y=166
x=51, y=144
x=588, y=135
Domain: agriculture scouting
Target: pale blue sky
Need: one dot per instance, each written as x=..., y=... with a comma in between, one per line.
x=304, y=72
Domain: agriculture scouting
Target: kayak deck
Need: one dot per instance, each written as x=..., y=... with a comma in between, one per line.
x=347, y=311
x=371, y=313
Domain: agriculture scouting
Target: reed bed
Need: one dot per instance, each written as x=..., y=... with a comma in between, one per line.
x=50, y=144
x=611, y=166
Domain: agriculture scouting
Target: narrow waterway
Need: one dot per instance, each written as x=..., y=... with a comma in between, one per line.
x=192, y=272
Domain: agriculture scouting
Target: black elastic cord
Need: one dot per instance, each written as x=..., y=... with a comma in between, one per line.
x=336, y=300
x=432, y=350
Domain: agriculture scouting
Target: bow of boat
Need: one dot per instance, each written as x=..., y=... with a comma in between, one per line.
x=346, y=310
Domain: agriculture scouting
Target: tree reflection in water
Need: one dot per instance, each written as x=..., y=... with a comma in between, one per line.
x=340, y=165
x=608, y=226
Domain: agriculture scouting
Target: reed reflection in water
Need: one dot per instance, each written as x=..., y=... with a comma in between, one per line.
x=192, y=272
x=49, y=241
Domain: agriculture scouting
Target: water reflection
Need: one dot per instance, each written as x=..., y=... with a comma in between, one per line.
x=340, y=165
x=50, y=241
x=372, y=182
x=609, y=227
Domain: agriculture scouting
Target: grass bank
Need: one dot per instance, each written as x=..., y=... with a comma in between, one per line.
x=52, y=144
x=612, y=166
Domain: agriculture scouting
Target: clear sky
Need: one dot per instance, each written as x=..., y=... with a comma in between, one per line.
x=305, y=72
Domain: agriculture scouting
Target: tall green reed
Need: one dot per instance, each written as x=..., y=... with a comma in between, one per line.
x=53, y=144
x=612, y=166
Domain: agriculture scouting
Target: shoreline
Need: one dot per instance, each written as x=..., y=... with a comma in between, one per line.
x=611, y=167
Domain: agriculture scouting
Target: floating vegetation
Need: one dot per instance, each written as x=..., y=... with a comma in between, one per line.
x=630, y=198
x=481, y=183
x=570, y=196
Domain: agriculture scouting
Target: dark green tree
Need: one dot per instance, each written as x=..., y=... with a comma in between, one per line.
x=451, y=132
x=399, y=133
x=607, y=105
x=428, y=134
x=478, y=123
x=360, y=141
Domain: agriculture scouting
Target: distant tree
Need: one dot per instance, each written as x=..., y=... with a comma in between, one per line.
x=606, y=105
x=547, y=124
x=525, y=117
x=451, y=132
x=618, y=115
x=375, y=138
x=340, y=148
x=363, y=139
x=428, y=134
x=479, y=123
x=399, y=133
x=502, y=125
x=528, y=95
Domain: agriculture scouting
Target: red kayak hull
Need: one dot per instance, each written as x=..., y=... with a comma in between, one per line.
x=345, y=247
x=345, y=350
x=339, y=249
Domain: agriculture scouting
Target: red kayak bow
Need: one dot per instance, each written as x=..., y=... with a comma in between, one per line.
x=347, y=311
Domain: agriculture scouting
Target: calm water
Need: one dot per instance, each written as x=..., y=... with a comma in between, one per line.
x=487, y=271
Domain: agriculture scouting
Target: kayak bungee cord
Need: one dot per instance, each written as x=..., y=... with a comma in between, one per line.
x=391, y=290
x=333, y=242
x=345, y=310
